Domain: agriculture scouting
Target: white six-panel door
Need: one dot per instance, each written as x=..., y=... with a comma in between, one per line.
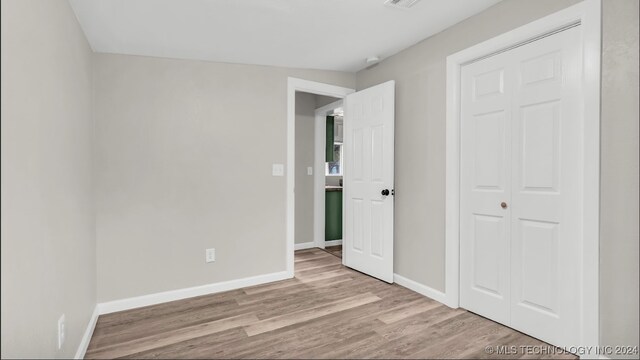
x=485, y=183
x=521, y=188
x=368, y=171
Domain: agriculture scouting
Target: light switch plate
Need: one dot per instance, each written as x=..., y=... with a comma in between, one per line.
x=210, y=255
x=277, y=170
x=309, y=170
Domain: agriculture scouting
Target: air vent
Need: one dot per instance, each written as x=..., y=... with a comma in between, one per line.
x=402, y=4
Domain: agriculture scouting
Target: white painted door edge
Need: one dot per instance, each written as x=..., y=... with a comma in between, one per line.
x=312, y=87
x=587, y=14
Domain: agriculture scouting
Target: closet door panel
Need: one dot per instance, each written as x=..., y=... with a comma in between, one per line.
x=485, y=184
x=546, y=189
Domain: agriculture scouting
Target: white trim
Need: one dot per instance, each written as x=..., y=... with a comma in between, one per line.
x=303, y=246
x=421, y=289
x=588, y=14
x=179, y=294
x=86, y=338
x=293, y=85
x=319, y=181
x=591, y=23
x=333, y=242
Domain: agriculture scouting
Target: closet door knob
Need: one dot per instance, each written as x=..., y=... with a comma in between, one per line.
x=385, y=192
x=503, y=205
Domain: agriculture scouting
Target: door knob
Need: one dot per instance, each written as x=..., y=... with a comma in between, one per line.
x=385, y=192
x=503, y=205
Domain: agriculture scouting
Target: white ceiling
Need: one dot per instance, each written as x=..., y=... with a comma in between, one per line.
x=315, y=34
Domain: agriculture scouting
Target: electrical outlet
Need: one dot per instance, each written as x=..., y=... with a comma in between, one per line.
x=61, y=331
x=210, y=255
x=309, y=170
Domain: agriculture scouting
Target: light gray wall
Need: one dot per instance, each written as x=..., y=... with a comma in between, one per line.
x=48, y=241
x=619, y=175
x=305, y=132
x=322, y=100
x=184, y=154
x=420, y=74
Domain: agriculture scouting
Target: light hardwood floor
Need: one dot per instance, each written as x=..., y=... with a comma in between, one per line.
x=326, y=311
x=334, y=250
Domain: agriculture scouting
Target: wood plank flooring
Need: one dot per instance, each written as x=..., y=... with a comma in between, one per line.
x=326, y=311
x=334, y=250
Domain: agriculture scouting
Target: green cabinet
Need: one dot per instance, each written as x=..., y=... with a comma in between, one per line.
x=330, y=135
x=333, y=215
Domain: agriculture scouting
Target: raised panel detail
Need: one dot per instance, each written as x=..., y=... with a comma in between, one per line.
x=488, y=244
x=377, y=222
x=539, y=261
x=542, y=68
x=358, y=154
x=377, y=151
x=358, y=226
x=489, y=151
x=540, y=148
x=487, y=84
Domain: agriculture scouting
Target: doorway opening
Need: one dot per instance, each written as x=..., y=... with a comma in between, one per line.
x=319, y=154
x=328, y=200
x=313, y=165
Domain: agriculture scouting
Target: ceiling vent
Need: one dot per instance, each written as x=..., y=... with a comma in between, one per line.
x=402, y=4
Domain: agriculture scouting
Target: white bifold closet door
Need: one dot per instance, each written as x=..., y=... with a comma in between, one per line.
x=521, y=187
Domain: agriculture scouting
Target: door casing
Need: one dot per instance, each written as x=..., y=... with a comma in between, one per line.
x=587, y=15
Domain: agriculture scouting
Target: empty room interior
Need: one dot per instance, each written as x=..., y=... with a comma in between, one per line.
x=421, y=179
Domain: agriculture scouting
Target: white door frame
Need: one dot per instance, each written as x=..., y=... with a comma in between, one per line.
x=312, y=87
x=587, y=14
x=319, y=180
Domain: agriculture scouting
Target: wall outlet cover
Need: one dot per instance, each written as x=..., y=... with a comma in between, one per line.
x=61, y=331
x=309, y=170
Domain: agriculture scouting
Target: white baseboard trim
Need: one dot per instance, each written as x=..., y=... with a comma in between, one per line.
x=333, y=242
x=425, y=290
x=302, y=246
x=86, y=338
x=162, y=297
